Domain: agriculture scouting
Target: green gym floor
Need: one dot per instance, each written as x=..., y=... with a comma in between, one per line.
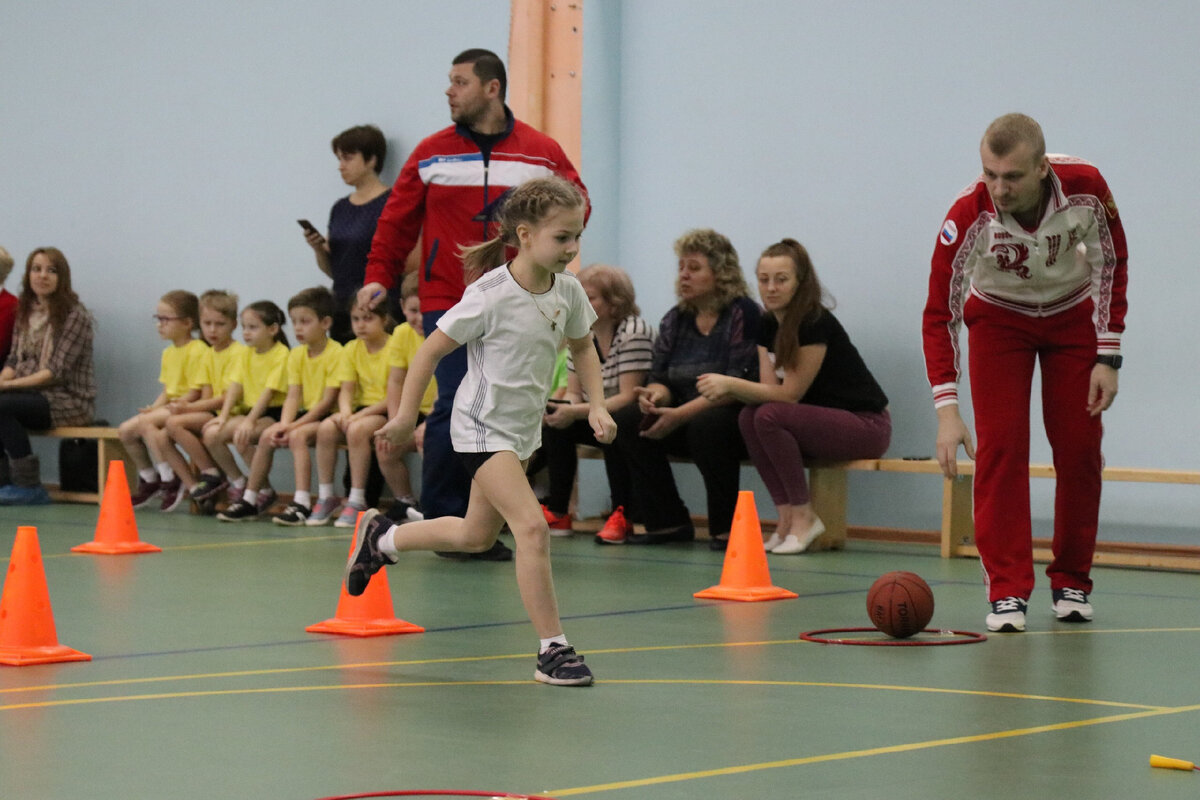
x=204, y=683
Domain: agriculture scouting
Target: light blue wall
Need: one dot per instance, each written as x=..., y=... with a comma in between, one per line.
x=163, y=145
x=852, y=126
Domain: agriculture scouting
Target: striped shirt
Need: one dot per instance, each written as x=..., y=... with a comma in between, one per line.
x=631, y=350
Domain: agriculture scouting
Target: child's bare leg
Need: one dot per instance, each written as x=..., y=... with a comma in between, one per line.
x=474, y=533
x=260, y=461
x=329, y=436
x=360, y=442
x=183, y=430
x=299, y=441
x=503, y=483
x=216, y=441
x=130, y=432
x=154, y=435
x=395, y=471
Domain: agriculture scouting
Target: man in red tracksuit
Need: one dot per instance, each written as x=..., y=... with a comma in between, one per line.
x=446, y=196
x=1032, y=258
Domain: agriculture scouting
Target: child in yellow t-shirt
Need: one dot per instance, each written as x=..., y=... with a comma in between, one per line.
x=143, y=435
x=312, y=390
x=253, y=400
x=218, y=320
x=406, y=340
x=361, y=410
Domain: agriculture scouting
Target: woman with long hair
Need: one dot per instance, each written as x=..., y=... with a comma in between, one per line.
x=814, y=397
x=47, y=380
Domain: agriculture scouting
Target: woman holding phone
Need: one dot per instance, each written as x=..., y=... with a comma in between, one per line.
x=342, y=256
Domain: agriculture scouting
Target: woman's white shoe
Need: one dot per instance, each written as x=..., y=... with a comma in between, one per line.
x=794, y=544
x=773, y=542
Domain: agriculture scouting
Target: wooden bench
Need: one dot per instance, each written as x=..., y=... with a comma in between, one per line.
x=108, y=448
x=828, y=486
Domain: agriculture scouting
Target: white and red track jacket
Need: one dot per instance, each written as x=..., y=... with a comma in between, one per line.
x=448, y=189
x=1077, y=252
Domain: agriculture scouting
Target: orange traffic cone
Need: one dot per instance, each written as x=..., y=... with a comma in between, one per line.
x=116, y=530
x=745, y=575
x=369, y=614
x=27, y=634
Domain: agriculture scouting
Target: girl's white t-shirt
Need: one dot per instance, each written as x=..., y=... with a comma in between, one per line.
x=512, y=339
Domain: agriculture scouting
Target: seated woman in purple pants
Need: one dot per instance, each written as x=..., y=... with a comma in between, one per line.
x=815, y=398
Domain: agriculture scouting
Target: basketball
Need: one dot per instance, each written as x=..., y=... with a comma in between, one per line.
x=900, y=604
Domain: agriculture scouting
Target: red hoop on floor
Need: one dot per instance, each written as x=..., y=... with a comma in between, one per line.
x=438, y=793
x=968, y=637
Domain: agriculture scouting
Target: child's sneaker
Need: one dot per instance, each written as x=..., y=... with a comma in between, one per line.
x=241, y=511
x=365, y=558
x=560, y=524
x=145, y=492
x=349, y=516
x=323, y=511
x=560, y=665
x=266, y=499
x=234, y=493
x=295, y=514
x=208, y=487
x=1008, y=615
x=406, y=509
x=616, y=530
x=173, y=495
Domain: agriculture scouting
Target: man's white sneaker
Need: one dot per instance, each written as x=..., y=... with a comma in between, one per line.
x=1008, y=615
x=1071, y=605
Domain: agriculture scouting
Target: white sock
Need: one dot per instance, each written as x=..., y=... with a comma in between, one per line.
x=165, y=472
x=560, y=639
x=324, y=491
x=387, y=545
x=250, y=496
x=358, y=497
x=215, y=472
x=302, y=499
x=149, y=475
x=238, y=483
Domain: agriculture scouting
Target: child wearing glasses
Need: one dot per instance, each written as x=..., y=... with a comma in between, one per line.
x=177, y=317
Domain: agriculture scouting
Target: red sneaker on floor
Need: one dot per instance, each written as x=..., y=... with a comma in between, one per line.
x=616, y=529
x=560, y=524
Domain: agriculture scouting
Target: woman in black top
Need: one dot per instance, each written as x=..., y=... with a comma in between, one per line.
x=815, y=398
x=360, y=153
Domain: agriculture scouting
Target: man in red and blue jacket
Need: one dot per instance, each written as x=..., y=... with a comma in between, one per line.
x=446, y=196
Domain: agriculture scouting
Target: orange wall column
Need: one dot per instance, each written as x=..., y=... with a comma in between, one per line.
x=545, y=68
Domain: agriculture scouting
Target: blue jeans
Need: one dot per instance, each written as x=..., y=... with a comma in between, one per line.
x=445, y=485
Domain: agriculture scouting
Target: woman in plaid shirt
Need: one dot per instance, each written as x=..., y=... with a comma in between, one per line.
x=47, y=380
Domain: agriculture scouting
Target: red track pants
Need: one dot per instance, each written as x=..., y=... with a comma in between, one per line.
x=1003, y=348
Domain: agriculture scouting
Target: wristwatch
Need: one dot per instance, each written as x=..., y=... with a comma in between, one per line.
x=1111, y=361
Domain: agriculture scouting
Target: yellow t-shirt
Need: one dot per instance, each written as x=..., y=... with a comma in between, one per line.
x=369, y=371
x=403, y=346
x=257, y=372
x=182, y=368
x=314, y=374
x=219, y=366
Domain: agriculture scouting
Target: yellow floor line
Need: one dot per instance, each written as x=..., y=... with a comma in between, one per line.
x=624, y=682
x=875, y=751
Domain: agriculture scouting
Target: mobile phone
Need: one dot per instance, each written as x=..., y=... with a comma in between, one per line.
x=308, y=226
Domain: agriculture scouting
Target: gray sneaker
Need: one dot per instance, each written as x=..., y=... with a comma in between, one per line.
x=349, y=516
x=323, y=511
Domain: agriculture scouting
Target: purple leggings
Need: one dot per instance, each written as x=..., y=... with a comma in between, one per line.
x=779, y=436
